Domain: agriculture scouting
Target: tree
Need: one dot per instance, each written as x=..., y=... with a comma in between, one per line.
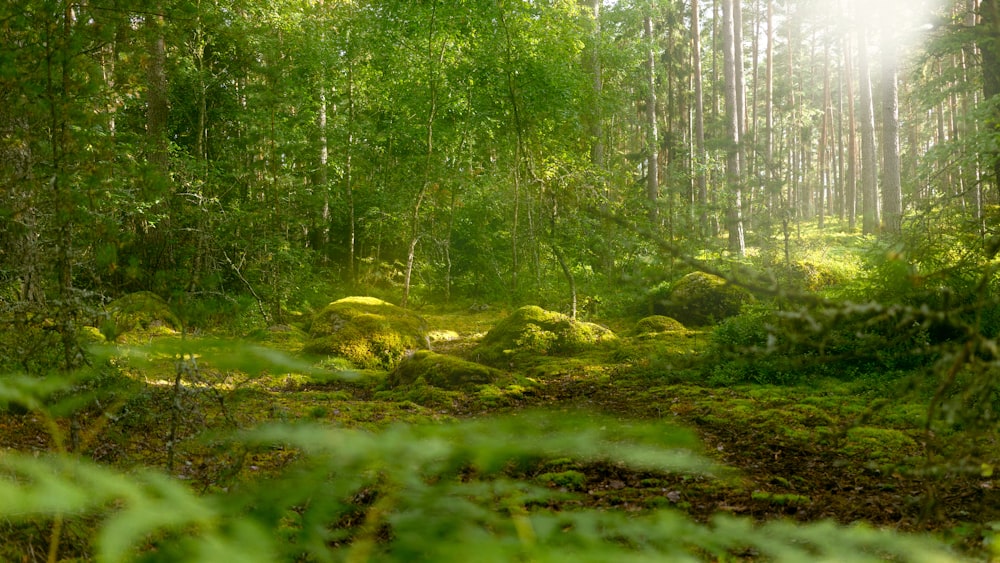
x=701, y=155
x=869, y=172
x=737, y=243
x=652, y=148
x=892, y=191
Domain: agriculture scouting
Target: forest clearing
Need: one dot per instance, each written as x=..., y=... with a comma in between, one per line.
x=499, y=280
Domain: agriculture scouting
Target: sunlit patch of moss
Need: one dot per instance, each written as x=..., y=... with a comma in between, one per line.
x=442, y=335
x=655, y=324
x=371, y=333
x=143, y=311
x=91, y=335
x=781, y=499
x=700, y=299
x=288, y=338
x=532, y=330
x=442, y=371
x=494, y=396
x=570, y=480
x=878, y=445
x=421, y=393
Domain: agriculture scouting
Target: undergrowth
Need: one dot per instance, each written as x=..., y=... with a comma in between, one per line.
x=424, y=491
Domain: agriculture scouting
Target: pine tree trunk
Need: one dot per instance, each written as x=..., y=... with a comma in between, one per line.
x=737, y=244
x=652, y=136
x=701, y=158
x=869, y=170
x=892, y=191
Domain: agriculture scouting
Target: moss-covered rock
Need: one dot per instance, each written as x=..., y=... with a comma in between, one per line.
x=369, y=332
x=141, y=311
x=700, y=299
x=656, y=324
x=289, y=338
x=439, y=370
x=534, y=330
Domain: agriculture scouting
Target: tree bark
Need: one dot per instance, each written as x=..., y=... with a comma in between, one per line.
x=652, y=136
x=701, y=158
x=892, y=191
x=851, y=185
x=989, y=46
x=869, y=167
x=772, y=188
x=737, y=244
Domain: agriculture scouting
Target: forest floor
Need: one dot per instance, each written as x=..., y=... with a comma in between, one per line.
x=830, y=450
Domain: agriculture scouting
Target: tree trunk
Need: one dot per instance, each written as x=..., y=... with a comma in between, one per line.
x=851, y=186
x=701, y=158
x=869, y=171
x=737, y=244
x=157, y=104
x=892, y=191
x=434, y=62
x=989, y=46
x=772, y=187
x=597, y=86
x=652, y=137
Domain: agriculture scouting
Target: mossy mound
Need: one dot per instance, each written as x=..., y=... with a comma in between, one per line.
x=656, y=324
x=143, y=311
x=369, y=332
x=289, y=338
x=700, y=299
x=534, y=330
x=439, y=370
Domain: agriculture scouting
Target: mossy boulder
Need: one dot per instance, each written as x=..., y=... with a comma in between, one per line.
x=285, y=337
x=657, y=324
x=534, y=330
x=369, y=332
x=141, y=311
x=439, y=370
x=700, y=299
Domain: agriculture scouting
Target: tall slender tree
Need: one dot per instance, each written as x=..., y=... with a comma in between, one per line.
x=701, y=155
x=652, y=147
x=892, y=191
x=737, y=242
x=869, y=167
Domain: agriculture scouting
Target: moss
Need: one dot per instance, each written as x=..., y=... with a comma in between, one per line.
x=700, y=299
x=533, y=330
x=570, y=480
x=371, y=333
x=878, y=444
x=141, y=311
x=282, y=337
x=442, y=371
x=91, y=335
x=780, y=499
x=657, y=324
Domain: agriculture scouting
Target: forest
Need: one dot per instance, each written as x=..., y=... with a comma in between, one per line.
x=499, y=280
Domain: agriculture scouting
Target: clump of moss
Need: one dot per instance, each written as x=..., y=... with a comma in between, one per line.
x=657, y=324
x=142, y=311
x=369, y=332
x=439, y=370
x=879, y=445
x=533, y=330
x=283, y=337
x=570, y=480
x=700, y=299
